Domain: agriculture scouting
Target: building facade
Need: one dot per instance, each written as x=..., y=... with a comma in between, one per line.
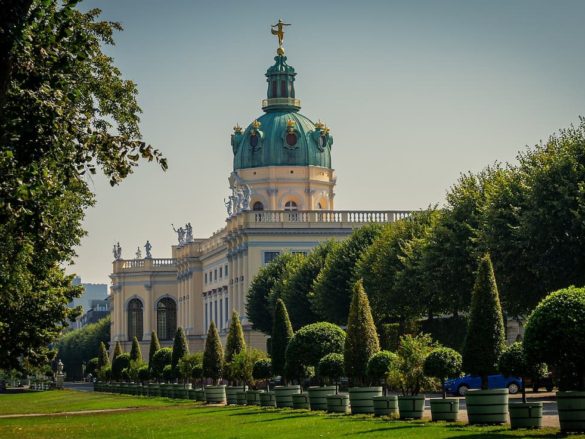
x=282, y=199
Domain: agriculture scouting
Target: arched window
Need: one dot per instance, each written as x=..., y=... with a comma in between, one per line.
x=290, y=205
x=166, y=318
x=258, y=206
x=135, y=319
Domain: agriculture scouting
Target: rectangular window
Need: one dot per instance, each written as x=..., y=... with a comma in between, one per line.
x=274, y=86
x=227, y=316
x=269, y=256
x=304, y=253
x=225, y=270
x=221, y=313
x=220, y=272
x=206, y=318
x=283, y=92
x=215, y=276
x=215, y=311
x=205, y=277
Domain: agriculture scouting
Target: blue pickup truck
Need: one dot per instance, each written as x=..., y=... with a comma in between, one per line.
x=459, y=386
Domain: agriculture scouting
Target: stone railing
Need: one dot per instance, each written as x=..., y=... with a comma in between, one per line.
x=161, y=264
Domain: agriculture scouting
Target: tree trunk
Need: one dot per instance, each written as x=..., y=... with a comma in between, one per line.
x=443, y=388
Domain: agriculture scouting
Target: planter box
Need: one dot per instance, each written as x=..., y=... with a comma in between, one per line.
x=181, y=392
x=411, y=407
x=338, y=404
x=445, y=409
x=385, y=405
x=267, y=399
x=199, y=395
x=153, y=389
x=192, y=394
x=300, y=401
x=283, y=395
x=232, y=391
x=361, y=399
x=525, y=415
x=571, y=406
x=215, y=394
x=164, y=392
x=253, y=397
x=487, y=406
x=318, y=396
x=241, y=398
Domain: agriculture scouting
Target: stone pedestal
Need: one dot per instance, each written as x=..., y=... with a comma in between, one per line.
x=59, y=378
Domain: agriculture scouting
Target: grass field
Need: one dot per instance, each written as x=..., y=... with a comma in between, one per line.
x=160, y=417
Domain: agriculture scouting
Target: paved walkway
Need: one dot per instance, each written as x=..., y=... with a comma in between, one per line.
x=80, y=412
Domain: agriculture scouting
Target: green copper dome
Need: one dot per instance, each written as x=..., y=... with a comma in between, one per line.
x=282, y=136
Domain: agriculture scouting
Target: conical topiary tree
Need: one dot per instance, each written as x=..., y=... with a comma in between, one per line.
x=282, y=332
x=235, y=340
x=103, y=357
x=485, y=340
x=180, y=349
x=213, y=355
x=154, y=346
x=117, y=351
x=135, y=352
x=362, y=339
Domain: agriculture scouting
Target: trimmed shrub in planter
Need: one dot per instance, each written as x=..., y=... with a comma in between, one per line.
x=253, y=397
x=300, y=401
x=282, y=333
x=154, y=348
x=379, y=368
x=213, y=355
x=232, y=393
x=318, y=396
x=241, y=397
x=180, y=349
x=283, y=395
x=443, y=363
x=160, y=359
x=262, y=370
x=555, y=334
x=267, y=399
x=484, y=343
x=121, y=362
x=135, y=351
x=331, y=368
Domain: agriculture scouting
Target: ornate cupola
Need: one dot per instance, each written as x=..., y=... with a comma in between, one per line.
x=281, y=87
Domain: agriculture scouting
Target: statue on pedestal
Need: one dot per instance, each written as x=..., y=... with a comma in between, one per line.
x=138, y=253
x=148, y=248
x=189, y=233
x=117, y=251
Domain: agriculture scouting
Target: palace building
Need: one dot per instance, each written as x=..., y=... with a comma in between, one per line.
x=282, y=187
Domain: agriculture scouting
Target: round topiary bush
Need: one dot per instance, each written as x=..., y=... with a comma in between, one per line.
x=443, y=363
x=313, y=342
x=331, y=367
x=120, y=363
x=143, y=374
x=262, y=369
x=168, y=372
x=380, y=365
x=160, y=359
x=555, y=334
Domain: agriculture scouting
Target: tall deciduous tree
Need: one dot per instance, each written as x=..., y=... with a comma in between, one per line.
x=154, y=347
x=362, y=339
x=485, y=340
x=213, y=360
x=135, y=352
x=235, y=340
x=282, y=332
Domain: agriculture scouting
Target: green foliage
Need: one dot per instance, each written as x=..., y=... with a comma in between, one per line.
x=117, y=351
x=103, y=357
x=311, y=343
x=555, y=334
x=262, y=369
x=242, y=365
x=191, y=366
x=362, y=339
x=213, y=356
x=485, y=339
x=380, y=365
x=64, y=111
x=443, y=363
x=180, y=348
x=297, y=289
x=514, y=362
x=105, y=373
x=449, y=332
x=408, y=375
x=143, y=373
x=120, y=363
x=154, y=347
x=92, y=366
x=135, y=352
x=81, y=345
x=160, y=359
x=333, y=286
x=235, y=340
x=331, y=367
x=281, y=335
x=168, y=373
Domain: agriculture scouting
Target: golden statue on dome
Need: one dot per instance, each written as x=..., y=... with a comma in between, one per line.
x=278, y=30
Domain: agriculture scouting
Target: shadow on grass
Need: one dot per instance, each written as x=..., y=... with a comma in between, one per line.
x=283, y=418
x=501, y=432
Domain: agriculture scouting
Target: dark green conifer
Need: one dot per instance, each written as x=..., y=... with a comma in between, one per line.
x=235, y=340
x=282, y=332
x=154, y=346
x=213, y=355
x=103, y=357
x=117, y=351
x=180, y=348
x=136, y=352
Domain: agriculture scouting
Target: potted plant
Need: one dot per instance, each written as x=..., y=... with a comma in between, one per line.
x=262, y=371
x=379, y=368
x=185, y=368
x=360, y=345
x=330, y=369
x=282, y=333
x=408, y=374
x=242, y=370
x=522, y=414
x=442, y=363
x=484, y=343
x=213, y=367
x=234, y=345
x=555, y=334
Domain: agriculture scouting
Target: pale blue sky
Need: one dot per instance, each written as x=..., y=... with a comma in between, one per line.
x=415, y=92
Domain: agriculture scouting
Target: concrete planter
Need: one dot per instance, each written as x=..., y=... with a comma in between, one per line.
x=153, y=389
x=445, y=409
x=338, y=404
x=318, y=396
x=361, y=399
x=215, y=394
x=199, y=395
x=283, y=395
x=411, y=407
x=163, y=389
x=300, y=401
x=181, y=392
x=253, y=397
x=571, y=406
x=385, y=405
x=525, y=415
x=231, y=393
x=267, y=399
x=487, y=406
x=192, y=394
x=241, y=398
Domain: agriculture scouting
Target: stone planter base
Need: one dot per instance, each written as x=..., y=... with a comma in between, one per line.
x=445, y=409
x=525, y=415
x=215, y=394
x=283, y=395
x=487, y=406
x=231, y=393
x=318, y=396
x=411, y=407
x=571, y=406
x=253, y=397
x=241, y=398
x=361, y=399
x=199, y=395
x=267, y=399
x=300, y=401
x=385, y=405
x=338, y=404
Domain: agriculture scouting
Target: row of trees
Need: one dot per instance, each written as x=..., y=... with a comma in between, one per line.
x=528, y=216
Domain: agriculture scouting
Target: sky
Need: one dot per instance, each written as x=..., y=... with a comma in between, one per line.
x=415, y=93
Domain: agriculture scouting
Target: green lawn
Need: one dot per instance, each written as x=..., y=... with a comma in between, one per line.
x=165, y=418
